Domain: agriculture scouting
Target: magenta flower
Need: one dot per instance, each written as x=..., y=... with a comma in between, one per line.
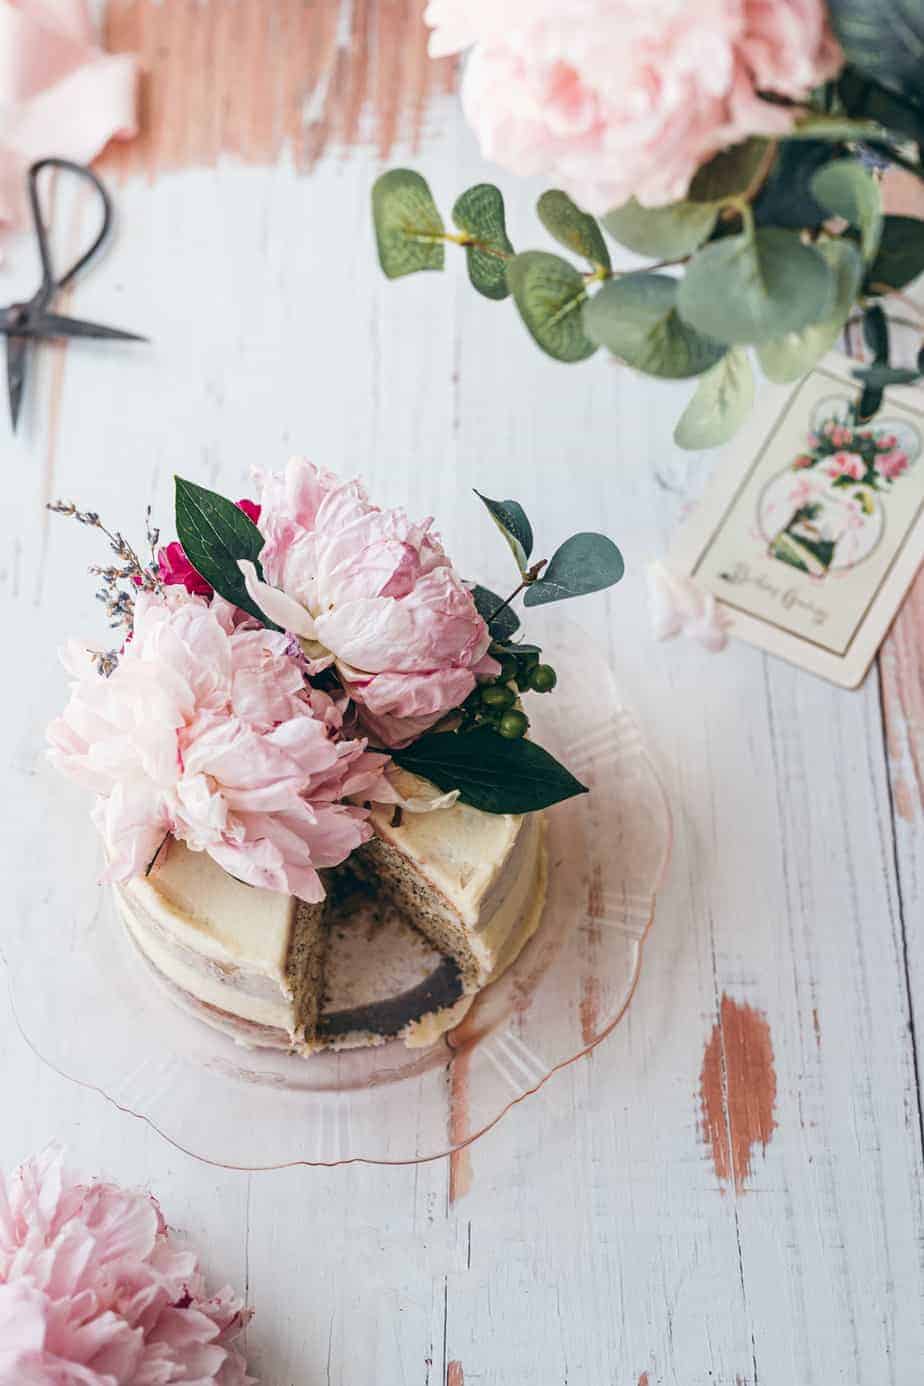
x=614, y=98
x=206, y=731
x=175, y=568
x=373, y=593
x=95, y=1291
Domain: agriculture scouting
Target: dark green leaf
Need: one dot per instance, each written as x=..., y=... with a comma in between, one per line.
x=510, y=518
x=549, y=293
x=572, y=228
x=869, y=403
x=869, y=103
x=786, y=198
x=720, y=405
x=884, y=39
x=515, y=647
x=408, y=225
x=787, y=358
x=849, y=191
x=635, y=317
x=730, y=173
x=490, y=772
x=876, y=333
x=584, y=563
x=664, y=233
x=486, y=603
x=479, y=212
x=215, y=534
x=879, y=377
x=900, y=258
x=754, y=288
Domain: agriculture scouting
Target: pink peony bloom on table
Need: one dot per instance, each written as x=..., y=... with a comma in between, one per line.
x=95, y=1291
x=373, y=593
x=206, y=731
x=175, y=568
x=892, y=464
x=802, y=461
x=846, y=464
x=615, y=98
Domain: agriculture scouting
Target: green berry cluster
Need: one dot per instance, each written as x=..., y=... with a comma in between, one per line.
x=494, y=704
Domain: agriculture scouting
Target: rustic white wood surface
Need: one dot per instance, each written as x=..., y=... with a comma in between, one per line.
x=596, y=1236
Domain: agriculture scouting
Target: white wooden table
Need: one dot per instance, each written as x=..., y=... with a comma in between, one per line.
x=729, y=1190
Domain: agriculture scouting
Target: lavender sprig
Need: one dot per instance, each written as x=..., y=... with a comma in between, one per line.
x=119, y=601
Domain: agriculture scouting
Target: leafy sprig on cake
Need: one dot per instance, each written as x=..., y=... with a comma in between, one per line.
x=282, y=656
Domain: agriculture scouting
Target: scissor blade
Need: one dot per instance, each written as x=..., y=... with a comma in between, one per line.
x=54, y=325
x=17, y=349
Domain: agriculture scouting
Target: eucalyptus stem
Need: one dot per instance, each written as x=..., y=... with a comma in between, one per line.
x=529, y=577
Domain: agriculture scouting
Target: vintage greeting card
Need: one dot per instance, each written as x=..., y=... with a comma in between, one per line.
x=812, y=528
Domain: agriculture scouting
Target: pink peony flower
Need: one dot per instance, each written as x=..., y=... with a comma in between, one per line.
x=886, y=442
x=175, y=568
x=206, y=730
x=371, y=592
x=892, y=464
x=615, y=98
x=803, y=460
x=846, y=464
x=94, y=1290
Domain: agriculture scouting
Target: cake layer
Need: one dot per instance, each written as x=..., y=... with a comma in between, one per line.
x=253, y=961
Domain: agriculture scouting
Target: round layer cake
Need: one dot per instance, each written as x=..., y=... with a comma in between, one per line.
x=422, y=917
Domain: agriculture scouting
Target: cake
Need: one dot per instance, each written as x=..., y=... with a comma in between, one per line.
x=414, y=924
x=310, y=755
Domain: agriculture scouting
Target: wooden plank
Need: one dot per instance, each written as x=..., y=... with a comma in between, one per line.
x=592, y=1237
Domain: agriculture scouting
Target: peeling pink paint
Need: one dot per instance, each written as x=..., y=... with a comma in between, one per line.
x=737, y=1090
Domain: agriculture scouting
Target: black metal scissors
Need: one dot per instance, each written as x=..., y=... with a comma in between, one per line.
x=26, y=323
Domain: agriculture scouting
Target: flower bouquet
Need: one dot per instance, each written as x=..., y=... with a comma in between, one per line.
x=282, y=658
x=737, y=145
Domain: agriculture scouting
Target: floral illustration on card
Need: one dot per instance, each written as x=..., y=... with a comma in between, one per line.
x=825, y=512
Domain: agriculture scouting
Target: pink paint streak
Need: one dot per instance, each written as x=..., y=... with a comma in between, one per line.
x=737, y=1090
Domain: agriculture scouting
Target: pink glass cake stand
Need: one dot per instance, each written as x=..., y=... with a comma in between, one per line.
x=89, y=1005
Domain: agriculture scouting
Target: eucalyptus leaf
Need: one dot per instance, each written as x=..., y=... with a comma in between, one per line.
x=491, y=773
x=572, y=228
x=635, y=317
x=407, y=223
x=900, y=257
x=549, y=293
x=584, y=563
x=730, y=173
x=720, y=405
x=879, y=377
x=849, y=191
x=753, y=288
x=664, y=233
x=510, y=518
x=884, y=39
x=479, y=212
x=215, y=534
x=789, y=357
x=505, y=625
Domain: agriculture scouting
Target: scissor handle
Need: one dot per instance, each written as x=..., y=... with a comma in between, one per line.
x=49, y=279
